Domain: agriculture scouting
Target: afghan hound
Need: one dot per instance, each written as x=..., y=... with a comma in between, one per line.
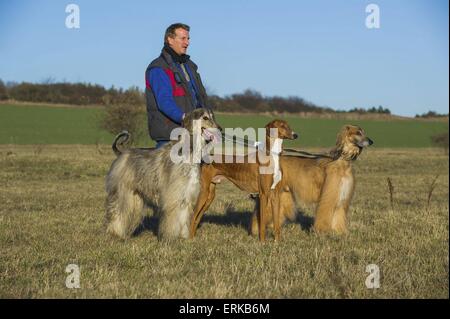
x=328, y=182
x=151, y=176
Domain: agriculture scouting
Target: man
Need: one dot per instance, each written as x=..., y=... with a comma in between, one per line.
x=173, y=86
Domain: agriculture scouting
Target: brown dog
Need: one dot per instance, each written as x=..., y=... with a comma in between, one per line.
x=327, y=182
x=246, y=176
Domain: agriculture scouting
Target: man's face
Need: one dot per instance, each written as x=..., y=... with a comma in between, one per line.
x=180, y=42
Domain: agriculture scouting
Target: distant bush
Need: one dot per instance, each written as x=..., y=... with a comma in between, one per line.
x=67, y=93
x=431, y=114
x=71, y=93
x=119, y=117
x=253, y=101
x=441, y=140
x=3, y=92
x=377, y=110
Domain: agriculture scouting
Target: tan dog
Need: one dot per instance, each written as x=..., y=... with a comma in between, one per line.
x=327, y=182
x=246, y=176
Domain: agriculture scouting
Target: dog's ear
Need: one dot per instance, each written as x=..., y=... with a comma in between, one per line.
x=270, y=124
x=349, y=130
x=184, y=121
x=342, y=135
x=274, y=124
x=187, y=120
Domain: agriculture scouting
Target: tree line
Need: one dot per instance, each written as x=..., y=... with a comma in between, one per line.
x=430, y=114
x=70, y=93
x=250, y=101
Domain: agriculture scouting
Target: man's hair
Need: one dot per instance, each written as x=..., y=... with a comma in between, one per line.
x=170, y=31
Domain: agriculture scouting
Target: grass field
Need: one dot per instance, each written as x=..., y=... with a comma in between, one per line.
x=33, y=124
x=51, y=215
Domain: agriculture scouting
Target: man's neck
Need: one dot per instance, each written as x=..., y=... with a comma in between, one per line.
x=183, y=58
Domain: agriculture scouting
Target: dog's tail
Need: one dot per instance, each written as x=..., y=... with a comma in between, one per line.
x=120, y=139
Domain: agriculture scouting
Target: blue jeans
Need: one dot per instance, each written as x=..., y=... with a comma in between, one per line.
x=161, y=143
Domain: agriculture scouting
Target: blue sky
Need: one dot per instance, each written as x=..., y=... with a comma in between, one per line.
x=319, y=50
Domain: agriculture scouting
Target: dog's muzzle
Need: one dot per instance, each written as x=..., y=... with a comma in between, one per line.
x=365, y=143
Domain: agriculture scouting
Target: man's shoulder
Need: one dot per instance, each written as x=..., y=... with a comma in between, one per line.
x=192, y=64
x=158, y=62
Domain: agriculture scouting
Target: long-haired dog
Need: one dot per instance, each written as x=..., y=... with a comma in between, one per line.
x=327, y=182
x=150, y=176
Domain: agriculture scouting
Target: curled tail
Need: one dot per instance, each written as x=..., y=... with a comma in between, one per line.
x=120, y=139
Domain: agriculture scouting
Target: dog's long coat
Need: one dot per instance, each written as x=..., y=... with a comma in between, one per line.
x=154, y=172
x=150, y=176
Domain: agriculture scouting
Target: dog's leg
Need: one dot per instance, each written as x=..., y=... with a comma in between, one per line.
x=176, y=212
x=253, y=227
x=124, y=211
x=265, y=209
x=275, y=203
x=339, y=222
x=287, y=207
x=328, y=201
x=185, y=222
x=286, y=211
x=171, y=219
x=268, y=201
x=334, y=200
x=205, y=199
x=262, y=213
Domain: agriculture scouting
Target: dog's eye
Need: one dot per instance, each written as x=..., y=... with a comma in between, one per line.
x=205, y=118
x=359, y=133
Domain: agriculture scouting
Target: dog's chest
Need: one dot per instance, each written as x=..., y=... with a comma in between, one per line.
x=275, y=151
x=346, y=188
x=192, y=187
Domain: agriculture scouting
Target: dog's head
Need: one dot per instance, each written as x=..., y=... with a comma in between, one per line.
x=210, y=130
x=284, y=130
x=350, y=142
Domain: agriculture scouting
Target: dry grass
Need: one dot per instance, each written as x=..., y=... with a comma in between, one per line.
x=51, y=215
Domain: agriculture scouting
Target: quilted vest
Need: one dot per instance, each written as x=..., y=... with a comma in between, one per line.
x=159, y=125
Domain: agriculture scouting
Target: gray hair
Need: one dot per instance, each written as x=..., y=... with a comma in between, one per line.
x=170, y=31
